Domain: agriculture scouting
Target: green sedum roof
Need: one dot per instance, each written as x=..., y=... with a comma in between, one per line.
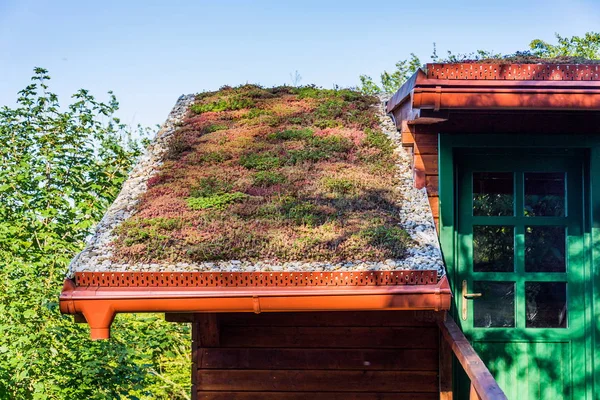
x=278, y=174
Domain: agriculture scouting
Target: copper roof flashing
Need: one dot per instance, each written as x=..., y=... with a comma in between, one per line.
x=102, y=295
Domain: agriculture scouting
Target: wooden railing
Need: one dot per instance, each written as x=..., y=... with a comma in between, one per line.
x=483, y=384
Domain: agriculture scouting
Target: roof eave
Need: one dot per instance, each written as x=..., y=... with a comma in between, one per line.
x=421, y=92
x=99, y=305
x=507, y=95
x=404, y=93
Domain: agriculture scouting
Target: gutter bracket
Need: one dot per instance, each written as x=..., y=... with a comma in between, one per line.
x=438, y=98
x=256, y=304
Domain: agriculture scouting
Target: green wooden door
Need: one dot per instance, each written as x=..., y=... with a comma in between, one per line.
x=519, y=288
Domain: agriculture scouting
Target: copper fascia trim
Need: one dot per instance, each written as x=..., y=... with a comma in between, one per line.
x=100, y=304
x=531, y=97
x=496, y=94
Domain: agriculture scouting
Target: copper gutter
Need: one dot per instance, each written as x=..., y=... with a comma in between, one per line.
x=507, y=98
x=100, y=304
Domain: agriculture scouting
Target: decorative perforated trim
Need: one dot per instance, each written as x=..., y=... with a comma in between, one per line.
x=521, y=72
x=254, y=279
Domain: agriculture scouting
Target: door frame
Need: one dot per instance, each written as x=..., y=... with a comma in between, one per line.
x=447, y=146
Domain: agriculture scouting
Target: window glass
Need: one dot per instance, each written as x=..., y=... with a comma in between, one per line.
x=546, y=304
x=545, y=249
x=493, y=248
x=493, y=193
x=496, y=306
x=545, y=194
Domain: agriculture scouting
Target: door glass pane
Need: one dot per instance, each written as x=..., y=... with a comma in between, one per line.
x=546, y=304
x=545, y=194
x=493, y=248
x=493, y=193
x=545, y=249
x=496, y=306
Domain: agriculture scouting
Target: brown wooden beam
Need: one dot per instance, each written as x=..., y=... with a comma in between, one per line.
x=482, y=380
x=445, y=367
x=196, y=362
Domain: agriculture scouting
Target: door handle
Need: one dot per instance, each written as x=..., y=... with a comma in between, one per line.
x=467, y=296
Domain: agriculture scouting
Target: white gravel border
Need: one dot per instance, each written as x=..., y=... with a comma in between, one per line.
x=415, y=215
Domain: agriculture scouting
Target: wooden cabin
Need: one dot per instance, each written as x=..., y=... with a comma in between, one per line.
x=491, y=296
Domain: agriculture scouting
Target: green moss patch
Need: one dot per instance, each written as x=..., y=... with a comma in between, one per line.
x=278, y=173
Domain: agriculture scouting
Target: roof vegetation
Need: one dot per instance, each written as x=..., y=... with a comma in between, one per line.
x=527, y=58
x=284, y=173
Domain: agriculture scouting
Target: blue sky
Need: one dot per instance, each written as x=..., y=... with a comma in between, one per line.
x=150, y=52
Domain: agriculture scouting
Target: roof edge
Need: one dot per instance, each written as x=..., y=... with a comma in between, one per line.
x=405, y=90
x=133, y=187
x=488, y=78
x=99, y=305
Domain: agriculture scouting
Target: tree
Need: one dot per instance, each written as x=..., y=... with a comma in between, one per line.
x=573, y=49
x=586, y=47
x=295, y=78
x=391, y=81
x=59, y=171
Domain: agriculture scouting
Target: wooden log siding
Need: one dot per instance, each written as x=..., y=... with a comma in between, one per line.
x=329, y=355
x=422, y=143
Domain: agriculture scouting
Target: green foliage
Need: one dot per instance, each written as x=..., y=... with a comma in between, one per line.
x=255, y=113
x=60, y=167
x=342, y=186
x=210, y=186
x=330, y=144
x=213, y=192
x=572, y=49
x=379, y=140
x=319, y=148
x=179, y=144
x=260, y=161
x=291, y=134
x=268, y=178
x=223, y=104
x=330, y=109
x=302, y=212
x=307, y=154
x=216, y=201
x=152, y=229
x=368, y=85
x=327, y=123
x=586, y=47
x=391, y=81
x=390, y=237
x=214, y=128
x=477, y=55
x=314, y=92
x=211, y=157
x=310, y=92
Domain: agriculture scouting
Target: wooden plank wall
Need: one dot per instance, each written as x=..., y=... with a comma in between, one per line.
x=316, y=356
x=422, y=142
